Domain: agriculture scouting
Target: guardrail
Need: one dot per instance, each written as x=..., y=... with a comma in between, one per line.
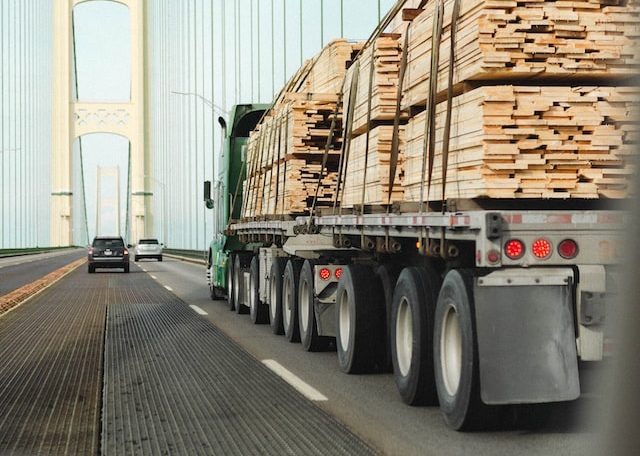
x=199, y=255
x=32, y=251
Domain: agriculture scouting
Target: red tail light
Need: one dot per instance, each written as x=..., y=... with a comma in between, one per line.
x=325, y=273
x=541, y=248
x=493, y=256
x=568, y=249
x=514, y=249
x=338, y=273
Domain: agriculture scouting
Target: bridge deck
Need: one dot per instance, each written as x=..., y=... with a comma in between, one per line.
x=115, y=364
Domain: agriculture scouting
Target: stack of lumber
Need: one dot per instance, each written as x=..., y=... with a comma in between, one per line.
x=377, y=86
x=529, y=142
x=385, y=52
x=285, y=151
x=327, y=73
x=508, y=40
x=377, y=170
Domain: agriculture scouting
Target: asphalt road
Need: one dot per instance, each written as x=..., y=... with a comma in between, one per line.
x=21, y=270
x=370, y=405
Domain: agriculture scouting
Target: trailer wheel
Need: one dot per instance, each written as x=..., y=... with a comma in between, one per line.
x=290, y=283
x=230, y=283
x=257, y=309
x=359, y=320
x=456, y=355
x=311, y=340
x=388, y=276
x=238, y=282
x=275, y=294
x=414, y=301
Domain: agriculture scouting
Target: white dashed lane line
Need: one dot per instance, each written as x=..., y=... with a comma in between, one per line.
x=168, y=288
x=307, y=390
x=153, y=277
x=198, y=310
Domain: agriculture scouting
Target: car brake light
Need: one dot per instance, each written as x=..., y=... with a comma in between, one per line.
x=338, y=273
x=568, y=249
x=325, y=274
x=541, y=248
x=514, y=249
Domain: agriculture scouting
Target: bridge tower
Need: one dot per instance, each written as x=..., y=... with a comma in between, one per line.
x=73, y=119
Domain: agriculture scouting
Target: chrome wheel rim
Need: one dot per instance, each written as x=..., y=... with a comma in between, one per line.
x=286, y=302
x=236, y=286
x=344, y=320
x=404, y=336
x=304, y=305
x=451, y=350
x=252, y=294
x=272, y=302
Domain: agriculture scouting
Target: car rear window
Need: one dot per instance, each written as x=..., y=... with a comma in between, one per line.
x=108, y=243
x=148, y=241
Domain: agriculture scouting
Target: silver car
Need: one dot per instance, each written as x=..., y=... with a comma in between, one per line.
x=148, y=248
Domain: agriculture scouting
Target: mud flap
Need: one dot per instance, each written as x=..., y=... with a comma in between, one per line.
x=526, y=337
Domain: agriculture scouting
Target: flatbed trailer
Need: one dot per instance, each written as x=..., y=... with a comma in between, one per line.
x=474, y=310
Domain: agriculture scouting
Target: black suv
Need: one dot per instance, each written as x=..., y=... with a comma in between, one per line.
x=108, y=252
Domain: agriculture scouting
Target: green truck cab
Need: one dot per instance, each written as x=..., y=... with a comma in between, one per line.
x=224, y=195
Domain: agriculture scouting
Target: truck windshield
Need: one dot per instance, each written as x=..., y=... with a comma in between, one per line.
x=148, y=241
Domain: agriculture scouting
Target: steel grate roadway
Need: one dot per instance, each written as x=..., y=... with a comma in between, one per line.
x=174, y=384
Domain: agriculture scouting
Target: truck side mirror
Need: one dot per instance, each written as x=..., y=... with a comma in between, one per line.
x=207, y=195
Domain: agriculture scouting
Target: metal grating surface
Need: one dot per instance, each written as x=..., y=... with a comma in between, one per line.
x=50, y=370
x=174, y=384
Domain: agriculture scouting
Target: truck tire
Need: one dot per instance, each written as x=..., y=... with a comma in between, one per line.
x=414, y=301
x=388, y=276
x=290, y=283
x=230, y=283
x=258, y=311
x=91, y=269
x=309, y=337
x=359, y=321
x=126, y=268
x=241, y=263
x=275, y=297
x=456, y=356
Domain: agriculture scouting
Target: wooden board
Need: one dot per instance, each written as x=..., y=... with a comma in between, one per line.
x=377, y=167
x=529, y=142
x=385, y=52
x=508, y=41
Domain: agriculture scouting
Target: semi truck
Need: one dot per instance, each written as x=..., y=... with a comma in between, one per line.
x=474, y=309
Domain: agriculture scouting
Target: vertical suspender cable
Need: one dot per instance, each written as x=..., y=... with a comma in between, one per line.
x=259, y=48
x=341, y=18
x=237, y=50
x=213, y=92
x=273, y=49
x=2, y=118
x=301, y=51
x=252, y=49
x=321, y=23
x=223, y=53
x=202, y=112
x=75, y=79
x=284, y=41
